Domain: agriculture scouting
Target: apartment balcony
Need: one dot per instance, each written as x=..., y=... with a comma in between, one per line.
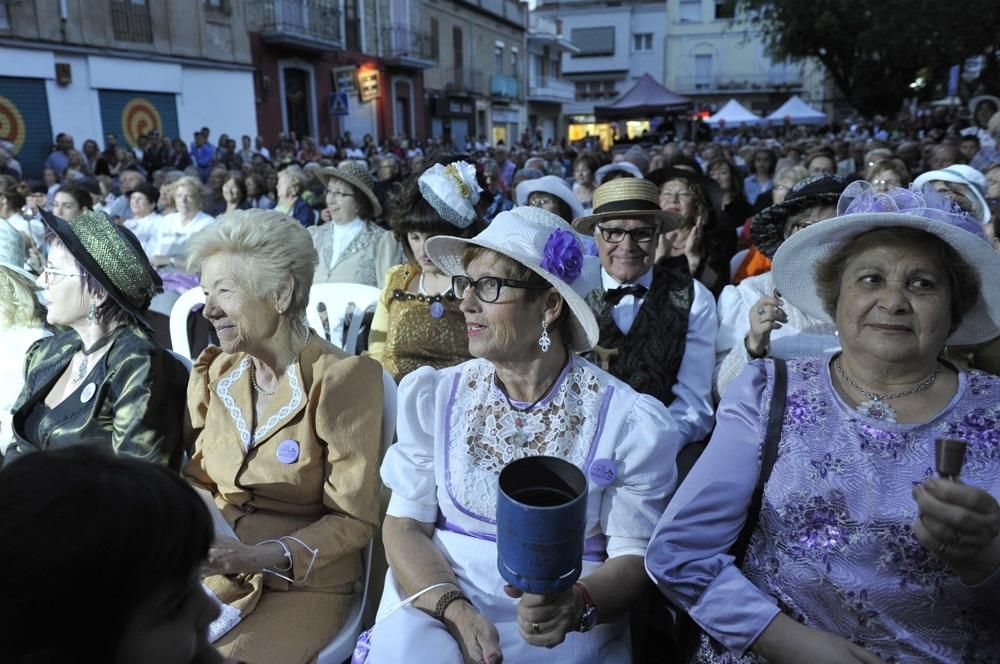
x=542, y=30
x=303, y=24
x=738, y=84
x=407, y=47
x=504, y=87
x=131, y=22
x=463, y=81
x=548, y=89
x=511, y=10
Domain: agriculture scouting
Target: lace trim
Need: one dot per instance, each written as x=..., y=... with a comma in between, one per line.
x=480, y=431
x=247, y=437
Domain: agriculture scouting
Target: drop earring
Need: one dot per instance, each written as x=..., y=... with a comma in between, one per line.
x=544, y=342
x=92, y=314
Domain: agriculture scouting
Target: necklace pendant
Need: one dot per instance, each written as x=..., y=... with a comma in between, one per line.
x=81, y=372
x=877, y=410
x=519, y=439
x=437, y=310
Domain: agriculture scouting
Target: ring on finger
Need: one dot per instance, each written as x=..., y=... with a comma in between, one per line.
x=761, y=311
x=535, y=628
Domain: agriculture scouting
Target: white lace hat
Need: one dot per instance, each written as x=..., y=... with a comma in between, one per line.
x=12, y=253
x=550, y=184
x=795, y=259
x=545, y=244
x=452, y=190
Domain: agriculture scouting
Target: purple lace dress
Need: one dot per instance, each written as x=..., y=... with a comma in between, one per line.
x=834, y=548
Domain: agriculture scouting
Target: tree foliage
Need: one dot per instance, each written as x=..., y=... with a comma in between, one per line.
x=873, y=49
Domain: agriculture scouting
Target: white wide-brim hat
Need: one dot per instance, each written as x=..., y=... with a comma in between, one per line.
x=626, y=166
x=797, y=257
x=523, y=234
x=550, y=184
x=12, y=251
x=961, y=174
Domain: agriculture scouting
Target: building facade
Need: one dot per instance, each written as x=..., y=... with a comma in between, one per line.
x=477, y=86
x=615, y=43
x=714, y=54
x=123, y=67
x=328, y=67
x=547, y=90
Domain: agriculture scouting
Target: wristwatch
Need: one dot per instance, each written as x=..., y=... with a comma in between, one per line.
x=588, y=619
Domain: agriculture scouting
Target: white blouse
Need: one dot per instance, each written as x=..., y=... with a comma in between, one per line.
x=171, y=234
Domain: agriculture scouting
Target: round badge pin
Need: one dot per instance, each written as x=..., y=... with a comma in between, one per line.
x=437, y=309
x=603, y=471
x=88, y=393
x=288, y=451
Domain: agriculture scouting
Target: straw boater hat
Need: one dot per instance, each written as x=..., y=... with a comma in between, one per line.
x=625, y=198
x=354, y=174
x=545, y=244
x=550, y=184
x=767, y=230
x=452, y=191
x=12, y=253
x=862, y=210
x=112, y=255
x=962, y=174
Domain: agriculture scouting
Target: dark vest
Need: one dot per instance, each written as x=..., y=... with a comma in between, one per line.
x=649, y=356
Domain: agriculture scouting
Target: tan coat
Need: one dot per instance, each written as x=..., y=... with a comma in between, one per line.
x=330, y=404
x=364, y=261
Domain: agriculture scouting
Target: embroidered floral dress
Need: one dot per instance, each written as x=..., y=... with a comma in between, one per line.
x=834, y=548
x=457, y=431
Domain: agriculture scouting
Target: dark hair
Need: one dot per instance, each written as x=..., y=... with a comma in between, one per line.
x=963, y=279
x=589, y=160
x=521, y=272
x=821, y=151
x=15, y=192
x=239, y=185
x=683, y=161
x=117, y=529
x=771, y=160
x=735, y=181
x=79, y=194
x=409, y=212
x=366, y=210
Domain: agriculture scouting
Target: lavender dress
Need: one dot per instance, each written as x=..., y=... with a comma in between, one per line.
x=834, y=548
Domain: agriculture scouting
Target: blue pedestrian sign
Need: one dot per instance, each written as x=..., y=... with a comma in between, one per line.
x=338, y=104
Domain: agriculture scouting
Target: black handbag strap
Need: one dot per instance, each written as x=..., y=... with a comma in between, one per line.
x=775, y=417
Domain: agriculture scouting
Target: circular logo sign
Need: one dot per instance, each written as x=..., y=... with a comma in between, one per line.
x=11, y=124
x=138, y=117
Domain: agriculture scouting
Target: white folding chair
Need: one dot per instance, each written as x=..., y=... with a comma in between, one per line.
x=179, y=314
x=328, y=304
x=342, y=646
x=736, y=261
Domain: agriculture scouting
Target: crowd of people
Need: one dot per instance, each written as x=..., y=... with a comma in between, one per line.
x=752, y=346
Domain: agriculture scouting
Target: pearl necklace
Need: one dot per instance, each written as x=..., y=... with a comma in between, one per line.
x=876, y=406
x=253, y=372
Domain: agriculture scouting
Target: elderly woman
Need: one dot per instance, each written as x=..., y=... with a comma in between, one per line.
x=167, y=245
x=754, y=321
x=103, y=380
x=703, y=241
x=22, y=322
x=522, y=284
x=145, y=220
x=284, y=432
x=418, y=322
x=859, y=553
x=889, y=174
x=351, y=246
x=551, y=193
x=291, y=185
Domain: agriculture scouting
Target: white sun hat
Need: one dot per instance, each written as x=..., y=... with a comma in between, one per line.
x=545, y=244
x=626, y=166
x=961, y=174
x=452, y=190
x=861, y=209
x=12, y=252
x=550, y=184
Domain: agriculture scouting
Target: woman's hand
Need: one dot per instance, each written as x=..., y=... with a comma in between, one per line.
x=325, y=215
x=544, y=620
x=959, y=524
x=230, y=556
x=786, y=641
x=765, y=317
x=475, y=634
x=693, y=244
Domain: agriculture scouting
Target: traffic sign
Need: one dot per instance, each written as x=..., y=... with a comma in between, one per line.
x=339, y=104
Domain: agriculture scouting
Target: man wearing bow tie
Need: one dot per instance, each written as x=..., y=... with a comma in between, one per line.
x=658, y=325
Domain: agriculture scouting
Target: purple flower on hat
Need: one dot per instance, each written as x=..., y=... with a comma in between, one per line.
x=562, y=255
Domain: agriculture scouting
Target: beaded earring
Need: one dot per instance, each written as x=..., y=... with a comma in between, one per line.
x=544, y=342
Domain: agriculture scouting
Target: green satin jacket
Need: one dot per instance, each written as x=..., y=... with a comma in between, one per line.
x=135, y=405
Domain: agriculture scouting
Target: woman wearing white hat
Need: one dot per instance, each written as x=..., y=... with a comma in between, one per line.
x=22, y=322
x=522, y=284
x=550, y=193
x=857, y=552
x=351, y=246
x=963, y=184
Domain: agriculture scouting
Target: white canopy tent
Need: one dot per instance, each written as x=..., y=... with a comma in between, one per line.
x=733, y=115
x=798, y=112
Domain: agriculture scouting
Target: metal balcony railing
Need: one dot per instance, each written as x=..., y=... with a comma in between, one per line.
x=546, y=88
x=739, y=83
x=130, y=22
x=402, y=41
x=313, y=23
x=504, y=87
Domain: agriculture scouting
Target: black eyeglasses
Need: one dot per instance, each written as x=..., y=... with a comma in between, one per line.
x=639, y=235
x=488, y=288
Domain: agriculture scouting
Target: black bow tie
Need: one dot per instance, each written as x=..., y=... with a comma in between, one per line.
x=615, y=295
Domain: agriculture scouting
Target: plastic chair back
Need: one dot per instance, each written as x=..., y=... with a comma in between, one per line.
x=328, y=305
x=179, y=314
